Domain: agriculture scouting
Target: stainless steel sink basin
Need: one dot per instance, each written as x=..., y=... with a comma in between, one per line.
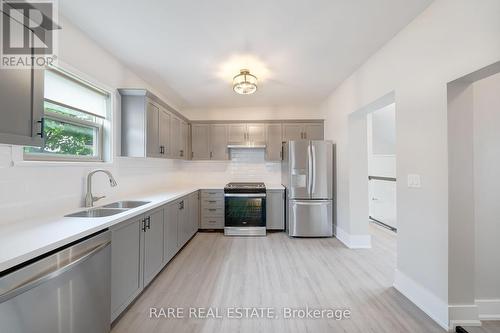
x=97, y=212
x=126, y=204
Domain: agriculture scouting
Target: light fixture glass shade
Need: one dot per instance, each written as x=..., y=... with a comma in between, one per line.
x=245, y=83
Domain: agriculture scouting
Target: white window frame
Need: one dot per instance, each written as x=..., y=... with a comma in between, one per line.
x=99, y=157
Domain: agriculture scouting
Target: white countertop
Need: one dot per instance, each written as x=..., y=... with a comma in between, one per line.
x=25, y=240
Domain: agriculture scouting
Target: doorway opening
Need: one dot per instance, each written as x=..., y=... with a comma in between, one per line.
x=381, y=135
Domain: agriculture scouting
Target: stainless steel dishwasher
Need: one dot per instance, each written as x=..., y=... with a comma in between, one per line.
x=66, y=290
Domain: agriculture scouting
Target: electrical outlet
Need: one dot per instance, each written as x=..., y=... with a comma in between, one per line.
x=414, y=181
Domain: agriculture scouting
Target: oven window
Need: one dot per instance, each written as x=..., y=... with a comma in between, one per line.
x=245, y=212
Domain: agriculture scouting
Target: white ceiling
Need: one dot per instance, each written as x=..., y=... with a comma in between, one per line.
x=299, y=49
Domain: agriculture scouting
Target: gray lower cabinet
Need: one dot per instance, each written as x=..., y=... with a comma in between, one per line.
x=212, y=209
x=143, y=245
x=153, y=245
x=126, y=264
x=275, y=210
x=170, y=231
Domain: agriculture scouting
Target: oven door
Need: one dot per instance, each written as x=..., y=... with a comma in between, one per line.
x=245, y=209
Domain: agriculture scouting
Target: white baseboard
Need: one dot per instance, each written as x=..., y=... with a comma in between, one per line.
x=488, y=309
x=463, y=315
x=432, y=305
x=353, y=241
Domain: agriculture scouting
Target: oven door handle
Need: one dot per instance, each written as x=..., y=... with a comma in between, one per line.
x=244, y=195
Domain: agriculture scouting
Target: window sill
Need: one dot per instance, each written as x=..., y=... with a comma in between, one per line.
x=56, y=163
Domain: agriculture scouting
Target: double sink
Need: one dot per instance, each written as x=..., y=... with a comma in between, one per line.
x=109, y=210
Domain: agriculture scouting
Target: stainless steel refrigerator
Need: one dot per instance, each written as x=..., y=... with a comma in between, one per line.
x=307, y=174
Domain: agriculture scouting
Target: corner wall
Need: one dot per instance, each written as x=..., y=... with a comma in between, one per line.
x=449, y=39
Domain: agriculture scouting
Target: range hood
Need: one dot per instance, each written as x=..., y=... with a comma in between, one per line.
x=247, y=145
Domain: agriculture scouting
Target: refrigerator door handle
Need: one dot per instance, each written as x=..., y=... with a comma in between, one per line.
x=313, y=177
x=309, y=170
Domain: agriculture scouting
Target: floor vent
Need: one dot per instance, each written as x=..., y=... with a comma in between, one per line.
x=460, y=329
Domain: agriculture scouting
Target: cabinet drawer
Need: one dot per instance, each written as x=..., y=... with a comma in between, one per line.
x=212, y=212
x=212, y=203
x=212, y=194
x=212, y=223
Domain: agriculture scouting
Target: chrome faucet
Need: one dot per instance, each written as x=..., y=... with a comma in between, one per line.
x=89, y=198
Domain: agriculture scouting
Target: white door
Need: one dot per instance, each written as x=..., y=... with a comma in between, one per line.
x=383, y=201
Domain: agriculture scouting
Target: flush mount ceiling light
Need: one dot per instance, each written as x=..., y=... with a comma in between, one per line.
x=245, y=83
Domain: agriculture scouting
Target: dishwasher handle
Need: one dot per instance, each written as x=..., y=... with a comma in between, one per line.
x=30, y=284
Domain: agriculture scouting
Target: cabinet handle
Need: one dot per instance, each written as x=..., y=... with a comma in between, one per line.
x=144, y=225
x=192, y=154
x=149, y=222
x=212, y=209
x=181, y=153
x=42, y=126
x=211, y=154
x=212, y=201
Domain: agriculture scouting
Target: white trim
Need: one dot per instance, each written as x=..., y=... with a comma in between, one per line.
x=463, y=315
x=488, y=309
x=353, y=241
x=432, y=305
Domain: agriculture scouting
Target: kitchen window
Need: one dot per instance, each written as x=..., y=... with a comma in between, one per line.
x=75, y=118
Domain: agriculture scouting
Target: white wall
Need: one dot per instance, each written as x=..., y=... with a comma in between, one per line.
x=486, y=186
x=254, y=113
x=449, y=39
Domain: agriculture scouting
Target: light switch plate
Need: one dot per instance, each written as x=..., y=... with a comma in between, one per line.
x=414, y=181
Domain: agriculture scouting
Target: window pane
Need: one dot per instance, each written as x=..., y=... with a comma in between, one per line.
x=61, y=110
x=63, y=138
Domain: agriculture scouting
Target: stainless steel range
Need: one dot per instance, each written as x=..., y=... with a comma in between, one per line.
x=245, y=209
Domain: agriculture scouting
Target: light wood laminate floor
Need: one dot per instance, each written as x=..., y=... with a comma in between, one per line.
x=277, y=271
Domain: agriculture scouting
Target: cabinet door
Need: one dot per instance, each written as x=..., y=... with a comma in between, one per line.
x=153, y=245
x=175, y=137
x=164, y=132
x=313, y=131
x=218, y=142
x=184, y=140
x=170, y=231
x=274, y=141
x=21, y=96
x=256, y=133
x=182, y=222
x=200, y=144
x=194, y=210
x=275, y=210
x=126, y=264
x=237, y=134
x=292, y=131
x=152, y=132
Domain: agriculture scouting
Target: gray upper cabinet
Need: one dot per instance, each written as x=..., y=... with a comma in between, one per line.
x=292, y=131
x=274, y=138
x=237, y=134
x=218, y=142
x=175, y=137
x=256, y=133
x=126, y=264
x=164, y=120
x=242, y=134
x=303, y=131
x=149, y=127
x=314, y=131
x=21, y=107
x=152, y=132
x=200, y=145
x=275, y=210
x=184, y=147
